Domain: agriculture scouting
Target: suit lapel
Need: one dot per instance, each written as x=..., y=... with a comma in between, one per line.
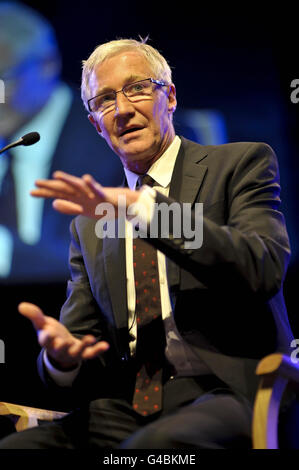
x=189, y=172
x=187, y=178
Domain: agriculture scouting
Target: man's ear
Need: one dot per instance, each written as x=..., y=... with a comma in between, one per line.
x=94, y=123
x=172, y=102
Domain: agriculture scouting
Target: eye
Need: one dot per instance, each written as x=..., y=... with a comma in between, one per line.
x=102, y=101
x=138, y=88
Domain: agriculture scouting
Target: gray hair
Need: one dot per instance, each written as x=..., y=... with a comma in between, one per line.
x=161, y=69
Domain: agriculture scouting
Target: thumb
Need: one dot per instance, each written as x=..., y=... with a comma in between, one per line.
x=33, y=313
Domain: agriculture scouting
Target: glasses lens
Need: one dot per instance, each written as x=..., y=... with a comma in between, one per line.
x=134, y=91
x=138, y=89
x=101, y=102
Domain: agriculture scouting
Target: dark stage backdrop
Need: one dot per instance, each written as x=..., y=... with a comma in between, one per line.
x=233, y=70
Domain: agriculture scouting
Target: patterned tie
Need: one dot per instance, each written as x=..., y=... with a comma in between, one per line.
x=150, y=330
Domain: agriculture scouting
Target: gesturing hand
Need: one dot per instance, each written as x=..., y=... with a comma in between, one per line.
x=76, y=196
x=66, y=350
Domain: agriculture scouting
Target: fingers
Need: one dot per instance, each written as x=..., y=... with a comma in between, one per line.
x=88, y=348
x=53, y=189
x=74, y=182
x=93, y=185
x=92, y=351
x=69, y=188
x=33, y=313
x=78, y=348
x=67, y=207
x=63, y=186
x=57, y=342
x=68, y=353
x=70, y=349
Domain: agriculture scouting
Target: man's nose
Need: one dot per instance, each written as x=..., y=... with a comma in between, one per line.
x=123, y=106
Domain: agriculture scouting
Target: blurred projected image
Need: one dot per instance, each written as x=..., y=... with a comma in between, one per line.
x=33, y=238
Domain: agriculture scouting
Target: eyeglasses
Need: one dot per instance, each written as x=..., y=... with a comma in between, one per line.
x=143, y=89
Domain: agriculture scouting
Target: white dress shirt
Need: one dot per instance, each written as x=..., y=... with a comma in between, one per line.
x=177, y=351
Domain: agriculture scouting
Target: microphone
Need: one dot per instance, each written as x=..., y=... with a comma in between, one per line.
x=27, y=139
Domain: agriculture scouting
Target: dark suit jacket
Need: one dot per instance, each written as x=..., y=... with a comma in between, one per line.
x=227, y=295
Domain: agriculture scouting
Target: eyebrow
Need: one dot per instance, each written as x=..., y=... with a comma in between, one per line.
x=131, y=78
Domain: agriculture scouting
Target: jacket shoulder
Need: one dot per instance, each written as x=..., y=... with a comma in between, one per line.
x=190, y=145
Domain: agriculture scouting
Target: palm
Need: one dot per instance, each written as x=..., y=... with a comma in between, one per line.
x=61, y=345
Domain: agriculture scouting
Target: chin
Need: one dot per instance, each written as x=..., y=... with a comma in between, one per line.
x=135, y=151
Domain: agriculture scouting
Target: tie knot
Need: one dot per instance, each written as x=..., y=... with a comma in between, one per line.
x=145, y=179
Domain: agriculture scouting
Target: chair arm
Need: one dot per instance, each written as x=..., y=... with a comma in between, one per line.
x=25, y=417
x=281, y=364
x=276, y=370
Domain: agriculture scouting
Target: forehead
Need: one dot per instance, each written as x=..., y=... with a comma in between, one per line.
x=115, y=70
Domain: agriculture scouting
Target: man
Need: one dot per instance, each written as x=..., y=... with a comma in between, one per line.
x=221, y=303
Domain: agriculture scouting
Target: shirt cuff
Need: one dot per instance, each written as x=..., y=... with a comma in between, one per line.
x=61, y=378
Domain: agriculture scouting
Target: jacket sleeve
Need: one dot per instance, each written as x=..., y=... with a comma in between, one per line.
x=81, y=315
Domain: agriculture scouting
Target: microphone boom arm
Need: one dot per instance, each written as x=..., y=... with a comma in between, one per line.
x=9, y=146
x=27, y=139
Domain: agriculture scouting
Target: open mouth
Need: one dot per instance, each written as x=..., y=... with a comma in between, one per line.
x=130, y=131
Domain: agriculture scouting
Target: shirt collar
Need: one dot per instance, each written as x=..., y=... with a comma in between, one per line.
x=161, y=170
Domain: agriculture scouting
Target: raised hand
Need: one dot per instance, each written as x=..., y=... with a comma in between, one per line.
x=74, y=196
x=62, y=347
